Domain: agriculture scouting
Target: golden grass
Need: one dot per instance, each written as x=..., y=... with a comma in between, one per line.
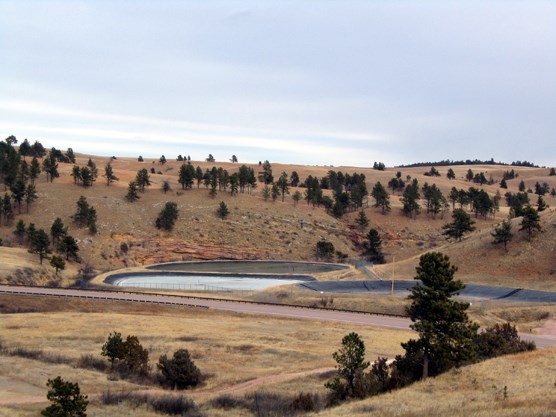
x=477, y=390
x=230, y=348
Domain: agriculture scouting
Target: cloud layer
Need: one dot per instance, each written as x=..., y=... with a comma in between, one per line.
x=342, y=83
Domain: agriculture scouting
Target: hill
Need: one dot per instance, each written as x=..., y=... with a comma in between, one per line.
x=259, y=229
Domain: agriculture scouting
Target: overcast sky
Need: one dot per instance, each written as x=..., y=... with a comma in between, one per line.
x=314, y=82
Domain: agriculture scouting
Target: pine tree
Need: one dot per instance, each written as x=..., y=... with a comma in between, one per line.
x=382, y=199
x=222, y=210
x=109, y=174
x=351, y=365
x=503, y=233
x=180, y=372
x=132, y=194
x=461, y=224
x=18, y=193
x=39, y=244
x=283, y=185
x=68, y=246
x=451, y=174
x=57, y=231
x=58, y=263
x=446, y=335
x=362, y=220
x=530, y=221
x=167, y=216
x=296, y=197
x=19, y=231
x=410, y=200
x=34, y=170
x=373, y=247
x=66, y=399
x=142, y=179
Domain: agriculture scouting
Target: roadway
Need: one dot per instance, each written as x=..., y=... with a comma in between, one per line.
x=384, y=321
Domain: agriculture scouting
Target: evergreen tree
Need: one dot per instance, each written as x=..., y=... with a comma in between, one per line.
x=266, y=192
x=140, y=159
x=503, y=233
x=34, y=170
x=451, y=174
x=351, y=365
x=109, y=174
x=296, y=197
x=93, y=168
x=57, y=231
x=70, y=155
x=132, y=194
x=66, y=399
x=19, y=231
x=113, y=348
x=283, y=184
x=210, y=158
x=410, y=200
x=180, y=372
x=222, y=210
x=162, y=160
x=469, y=176
x=521, y=186
x=552, y=172
x=294, y=179
x=274, y=192
x=199, y=176
x=373, y=247
x=142, y=179
x=461, y=224
x=58, y=263
x=541, y=204
x=166, y=186
x=7, y=210
x=530, y=221
x=382, y=199
x=265, y=176
x=446, y=335
x=50, y=166
x=76, y=174
x=39, y=244
x=362, y=220
x=503, y=183
x=167, y=216
x=25, y=148
x=233, y=159
x=18, y=193
x=234, y=183
x=68, y=246
x=86, y=176
x=85, y=215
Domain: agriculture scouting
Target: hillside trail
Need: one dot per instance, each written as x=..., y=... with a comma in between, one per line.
x=234, y=389
x=547, y=329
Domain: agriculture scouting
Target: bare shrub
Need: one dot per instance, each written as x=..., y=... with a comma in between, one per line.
x=92, y=362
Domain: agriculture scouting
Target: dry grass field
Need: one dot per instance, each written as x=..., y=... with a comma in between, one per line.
x=273, y=352
x=229, y=348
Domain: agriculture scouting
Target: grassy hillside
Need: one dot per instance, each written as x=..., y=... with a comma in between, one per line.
x=509, y=386
x=258, y=229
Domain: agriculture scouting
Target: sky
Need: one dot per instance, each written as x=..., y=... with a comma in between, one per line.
x=308, y=82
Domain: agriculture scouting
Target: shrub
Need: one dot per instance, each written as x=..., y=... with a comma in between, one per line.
x=227, y=402
x=179, y=372
x=501, y=339
x=92, y=362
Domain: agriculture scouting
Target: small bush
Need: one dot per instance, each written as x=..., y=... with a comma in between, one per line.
x=227, y=402
x=165, y=404
x=501, y=339
x=304, y=402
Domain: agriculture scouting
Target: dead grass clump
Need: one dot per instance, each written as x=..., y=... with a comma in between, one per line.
x=35, y=354
x=164, y=404
x=523, y=315
x=92, y=362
